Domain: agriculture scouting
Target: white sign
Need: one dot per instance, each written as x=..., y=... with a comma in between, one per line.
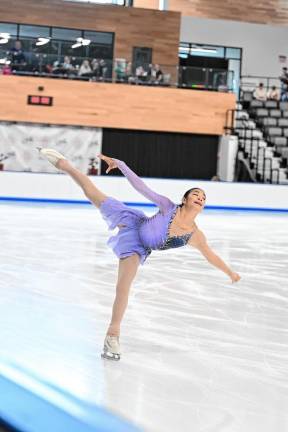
x=18, y=147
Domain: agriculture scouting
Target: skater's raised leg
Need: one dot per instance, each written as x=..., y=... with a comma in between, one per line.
x=89, y=189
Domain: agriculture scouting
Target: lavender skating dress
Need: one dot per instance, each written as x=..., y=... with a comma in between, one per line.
x=138, y=233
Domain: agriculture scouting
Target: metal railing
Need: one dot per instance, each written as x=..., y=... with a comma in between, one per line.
x=120, y=71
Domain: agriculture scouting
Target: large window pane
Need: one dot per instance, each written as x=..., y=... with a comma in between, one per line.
x=66, y=34
x=98, y=51
x=99, y=37
x=33, y=31
x=233, y=53
x=8, y=28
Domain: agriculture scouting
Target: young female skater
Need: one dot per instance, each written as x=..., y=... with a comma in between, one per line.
x=171, y=227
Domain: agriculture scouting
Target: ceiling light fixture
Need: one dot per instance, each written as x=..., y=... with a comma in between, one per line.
x=42, y=41
x=4, y=38
x=206, y=50
x=81, y=42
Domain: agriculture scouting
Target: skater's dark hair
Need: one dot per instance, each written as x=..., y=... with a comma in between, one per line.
x=188, y=192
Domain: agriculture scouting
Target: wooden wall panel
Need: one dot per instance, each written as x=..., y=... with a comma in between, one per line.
x=147, y=4
x=262, y=12
x=115, y=105
x=132, y=26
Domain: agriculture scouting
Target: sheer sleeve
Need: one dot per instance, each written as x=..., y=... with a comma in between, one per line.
x=161, y=201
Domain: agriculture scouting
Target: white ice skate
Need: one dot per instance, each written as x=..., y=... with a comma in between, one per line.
x=51, y=155
x=111, y=350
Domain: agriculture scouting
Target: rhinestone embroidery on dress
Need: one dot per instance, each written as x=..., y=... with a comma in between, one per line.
x=174, y=241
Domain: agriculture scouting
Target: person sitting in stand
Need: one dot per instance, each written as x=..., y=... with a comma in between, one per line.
x=103, y=69
x=95, y=68
x=67, y=65
x=17, y=56
x=284, y=84
x=260, y=93
x=158, y=74
x=6, y=69
x=140, y=73
x=85, y=69
x=273, y=94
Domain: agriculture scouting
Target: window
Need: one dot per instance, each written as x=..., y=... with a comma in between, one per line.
x=33, y=31
x=66, y=34
x=44, y=49
x=233, y=53
x=8, y=28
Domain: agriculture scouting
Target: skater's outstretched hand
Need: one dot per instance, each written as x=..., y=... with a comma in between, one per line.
x=235, y=277
x=109, y=161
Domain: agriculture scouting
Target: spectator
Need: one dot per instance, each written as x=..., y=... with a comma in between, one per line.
x=6, y=70
x=260, y=93
x=140, y=74
x=128, y=72
x=95, y=68
x=151, y=74
x=85, y=69
x=284, y=83
x=17, y=56
x=273, y=94
x=67, y=66
x=103, y=69
x=158, y=74
x=120, y=70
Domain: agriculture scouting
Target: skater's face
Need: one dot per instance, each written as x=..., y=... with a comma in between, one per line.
x=196, y=199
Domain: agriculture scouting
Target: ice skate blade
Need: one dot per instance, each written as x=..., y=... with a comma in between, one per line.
x=110, y=356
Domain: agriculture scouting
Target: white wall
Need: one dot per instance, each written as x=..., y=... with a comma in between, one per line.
x=61, y=187
x=261, y=44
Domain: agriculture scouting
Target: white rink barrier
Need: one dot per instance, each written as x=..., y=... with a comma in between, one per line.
x=16, y=186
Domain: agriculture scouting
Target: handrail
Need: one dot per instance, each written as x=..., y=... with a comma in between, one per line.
x=278, y=174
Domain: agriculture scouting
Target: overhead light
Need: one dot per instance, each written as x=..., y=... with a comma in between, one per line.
x=206, y=50
x=4, y=38
x=186, y=49
x=42, y=41
x=81, y=42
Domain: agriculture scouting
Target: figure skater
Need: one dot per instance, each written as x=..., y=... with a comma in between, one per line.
x=172, y=226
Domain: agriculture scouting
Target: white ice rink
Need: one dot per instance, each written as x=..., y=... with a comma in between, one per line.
x=199, y=354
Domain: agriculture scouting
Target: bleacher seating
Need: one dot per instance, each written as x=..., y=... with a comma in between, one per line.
x=262, y=129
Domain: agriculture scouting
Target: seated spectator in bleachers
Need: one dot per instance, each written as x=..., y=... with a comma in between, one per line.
x=158, y=74
x=284, y=83
x=17, y=56
x=120, y=70
x=85, y=69
x=103, y=69
x=140, y=73
x=260, y=93
x=6, y=69
x=128, y=71
x=67, y=65
x=95, y=68
x=151, y=73
x=273, y=94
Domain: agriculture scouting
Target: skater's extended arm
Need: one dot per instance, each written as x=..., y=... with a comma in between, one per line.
x=161, y=201
x=201, y=244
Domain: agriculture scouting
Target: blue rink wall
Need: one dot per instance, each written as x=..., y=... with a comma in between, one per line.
x=16, y=186
x=28, y=404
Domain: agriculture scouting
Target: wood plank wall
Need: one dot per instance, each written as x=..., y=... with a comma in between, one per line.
x=262, y=12
x=132, y=26
x=115, y=105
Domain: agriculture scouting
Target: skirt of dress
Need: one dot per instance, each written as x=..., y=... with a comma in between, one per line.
x=127, y=241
